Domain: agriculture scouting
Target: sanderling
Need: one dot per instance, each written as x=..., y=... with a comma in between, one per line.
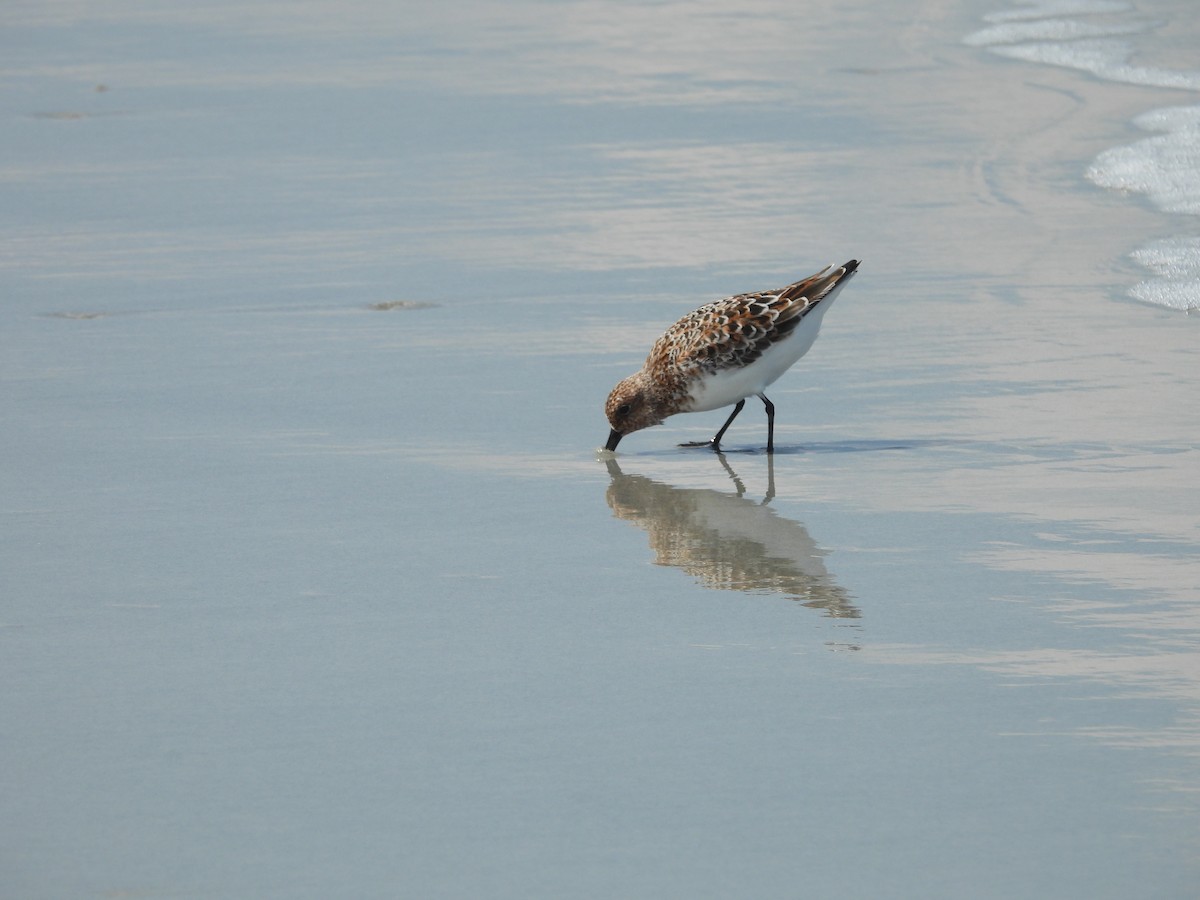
x=724, y=352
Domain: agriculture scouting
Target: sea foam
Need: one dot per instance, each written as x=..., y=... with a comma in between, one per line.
x=1166, y=167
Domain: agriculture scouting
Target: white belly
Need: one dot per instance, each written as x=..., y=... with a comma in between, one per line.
x=731, y=385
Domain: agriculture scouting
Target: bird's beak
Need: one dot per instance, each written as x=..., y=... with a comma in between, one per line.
x=614, y=438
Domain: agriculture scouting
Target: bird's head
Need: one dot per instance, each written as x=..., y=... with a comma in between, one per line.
x=631, y=407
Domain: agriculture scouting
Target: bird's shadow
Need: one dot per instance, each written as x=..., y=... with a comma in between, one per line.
x=811, y=447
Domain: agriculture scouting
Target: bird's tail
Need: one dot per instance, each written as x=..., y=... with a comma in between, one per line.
x=817, y=287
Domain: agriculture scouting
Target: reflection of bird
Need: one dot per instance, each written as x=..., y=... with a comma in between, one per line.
x=723, y=353
x=728, y=542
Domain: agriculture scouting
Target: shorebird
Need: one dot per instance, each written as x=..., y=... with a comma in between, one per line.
x=724, y=352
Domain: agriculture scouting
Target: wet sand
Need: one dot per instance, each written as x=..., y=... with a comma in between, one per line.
x=316, y=585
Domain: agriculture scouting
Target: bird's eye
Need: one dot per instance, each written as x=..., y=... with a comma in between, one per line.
x=624, y=409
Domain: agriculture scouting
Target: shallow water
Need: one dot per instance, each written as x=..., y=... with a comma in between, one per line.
x=1122, y=43
x=316, y=586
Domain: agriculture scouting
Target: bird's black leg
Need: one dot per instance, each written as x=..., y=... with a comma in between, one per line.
x=770, y=422
x=715, y=443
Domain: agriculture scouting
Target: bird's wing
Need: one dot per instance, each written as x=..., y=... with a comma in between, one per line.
x=737, y=330
x=726, y=333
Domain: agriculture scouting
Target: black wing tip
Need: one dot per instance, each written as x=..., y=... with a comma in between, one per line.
x=851, y=266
